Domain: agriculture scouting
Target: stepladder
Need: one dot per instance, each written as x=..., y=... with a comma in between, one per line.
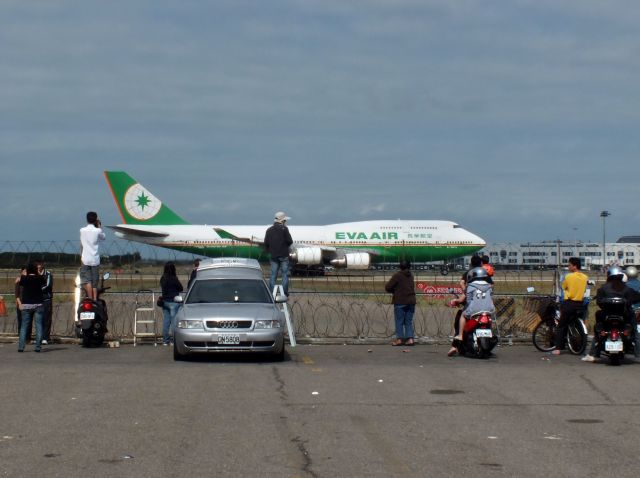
x=145, y=325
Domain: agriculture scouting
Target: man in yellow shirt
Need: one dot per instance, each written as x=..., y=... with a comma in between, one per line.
x=574, y=286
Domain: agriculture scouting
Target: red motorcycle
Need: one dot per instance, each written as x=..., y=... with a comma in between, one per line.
x=478, y=337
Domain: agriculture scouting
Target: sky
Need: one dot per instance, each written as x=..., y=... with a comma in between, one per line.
x=518, y=119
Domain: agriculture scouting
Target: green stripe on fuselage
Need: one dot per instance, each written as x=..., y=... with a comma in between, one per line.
x=378, y=253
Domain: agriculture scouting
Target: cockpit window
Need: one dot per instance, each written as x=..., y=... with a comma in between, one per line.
x=216, y=291
x=456, y=226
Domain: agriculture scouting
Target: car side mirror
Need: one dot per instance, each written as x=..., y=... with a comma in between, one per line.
x=178, y=299
x=280, y=299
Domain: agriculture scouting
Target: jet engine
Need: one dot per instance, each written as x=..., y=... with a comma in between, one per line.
x=308, y=256
x=356, y=260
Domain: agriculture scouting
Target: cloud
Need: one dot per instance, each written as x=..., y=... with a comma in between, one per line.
x=512, y=119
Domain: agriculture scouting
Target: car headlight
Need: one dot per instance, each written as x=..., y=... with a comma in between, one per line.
x=267, y=324
x=190, y=324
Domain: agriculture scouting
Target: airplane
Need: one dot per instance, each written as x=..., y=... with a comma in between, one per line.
x=351, y=245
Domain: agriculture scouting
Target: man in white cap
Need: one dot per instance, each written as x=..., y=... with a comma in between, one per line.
x=277, y=241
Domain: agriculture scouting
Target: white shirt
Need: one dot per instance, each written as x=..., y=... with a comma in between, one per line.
x=90, y=236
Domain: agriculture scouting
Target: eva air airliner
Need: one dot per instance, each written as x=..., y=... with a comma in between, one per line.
x=353, y=245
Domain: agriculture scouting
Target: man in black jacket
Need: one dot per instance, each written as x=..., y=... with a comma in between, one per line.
x=613, y=288
x=277, y=241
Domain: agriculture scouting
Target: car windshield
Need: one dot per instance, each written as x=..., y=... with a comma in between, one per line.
x=215, y=291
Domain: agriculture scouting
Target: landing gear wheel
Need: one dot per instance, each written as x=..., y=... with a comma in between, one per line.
x=544, y=337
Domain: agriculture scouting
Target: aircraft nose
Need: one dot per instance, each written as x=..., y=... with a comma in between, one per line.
x=476, y=239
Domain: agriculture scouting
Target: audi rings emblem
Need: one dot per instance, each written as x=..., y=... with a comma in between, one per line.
x=228, y=324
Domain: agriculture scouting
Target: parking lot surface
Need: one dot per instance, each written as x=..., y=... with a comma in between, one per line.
x=326, y=411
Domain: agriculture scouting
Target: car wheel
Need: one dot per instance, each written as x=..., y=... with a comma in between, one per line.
x=177, y=356
x=279, y=356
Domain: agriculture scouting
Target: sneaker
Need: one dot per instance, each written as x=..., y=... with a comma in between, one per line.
x=589, y=358
x=166, y=344
x=44, y=342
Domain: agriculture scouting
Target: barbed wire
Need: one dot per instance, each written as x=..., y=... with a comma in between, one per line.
x=319, y=316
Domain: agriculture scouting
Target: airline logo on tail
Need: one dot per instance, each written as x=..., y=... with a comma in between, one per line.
x=137, y=205
x=140, y=203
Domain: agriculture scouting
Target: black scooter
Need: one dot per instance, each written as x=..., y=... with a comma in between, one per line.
x=92, y=317
x=615, y=336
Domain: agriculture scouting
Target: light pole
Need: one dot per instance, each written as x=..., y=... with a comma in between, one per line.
x=604, y=215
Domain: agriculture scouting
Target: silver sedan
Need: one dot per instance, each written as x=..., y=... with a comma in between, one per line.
x=229, y=308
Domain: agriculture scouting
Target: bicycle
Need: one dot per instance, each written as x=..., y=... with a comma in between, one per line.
x=544, y=335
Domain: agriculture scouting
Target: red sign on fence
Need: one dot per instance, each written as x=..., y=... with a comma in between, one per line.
x=438, y=291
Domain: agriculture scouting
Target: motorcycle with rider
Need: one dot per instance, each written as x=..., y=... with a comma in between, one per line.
x=616, y=328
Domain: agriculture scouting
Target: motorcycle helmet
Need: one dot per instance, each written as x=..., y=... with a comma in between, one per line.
x=631, y=272
x=615, y=272
x=477, y=273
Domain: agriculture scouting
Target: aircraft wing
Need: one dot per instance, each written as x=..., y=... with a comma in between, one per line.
x=371, y=252
x=322, y=248
x=130, y=231
x=227, y=235
x=224, y=234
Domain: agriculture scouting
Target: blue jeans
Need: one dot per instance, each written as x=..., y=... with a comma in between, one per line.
x=169, y=311
x=636, y=324
x=404, y=320
x=27, y=316
x=280, y=264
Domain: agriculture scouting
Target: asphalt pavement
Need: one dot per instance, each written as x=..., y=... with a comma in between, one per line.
x=326, y=411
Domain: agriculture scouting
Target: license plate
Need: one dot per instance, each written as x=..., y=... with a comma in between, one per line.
x=613, y=345
x=483, y=333
x=87, y=315
x=228, y=339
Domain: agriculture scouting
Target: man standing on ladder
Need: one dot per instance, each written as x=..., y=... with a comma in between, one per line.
x=277, y=241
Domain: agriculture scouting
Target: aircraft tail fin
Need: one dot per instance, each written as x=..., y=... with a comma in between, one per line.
x=136, y=204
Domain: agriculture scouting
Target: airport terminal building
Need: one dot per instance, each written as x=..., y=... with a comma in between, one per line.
x=545, y=254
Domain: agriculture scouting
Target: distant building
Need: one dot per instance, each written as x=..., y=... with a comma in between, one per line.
x=547, y=254
x=629, y=240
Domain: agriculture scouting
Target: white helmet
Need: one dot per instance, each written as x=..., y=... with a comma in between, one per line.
x=615, y=272
x=632, y=272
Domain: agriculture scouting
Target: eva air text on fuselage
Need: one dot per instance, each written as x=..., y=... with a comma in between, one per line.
x=358, y=236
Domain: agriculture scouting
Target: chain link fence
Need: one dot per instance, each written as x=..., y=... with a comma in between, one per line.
x=316, y=316
x=338, y=305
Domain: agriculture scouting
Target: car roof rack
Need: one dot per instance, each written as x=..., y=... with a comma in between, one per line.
x=226, y=262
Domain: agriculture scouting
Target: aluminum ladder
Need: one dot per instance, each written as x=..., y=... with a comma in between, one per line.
x=145, y=325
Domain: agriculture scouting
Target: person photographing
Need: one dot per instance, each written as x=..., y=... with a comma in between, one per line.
x=90, y=238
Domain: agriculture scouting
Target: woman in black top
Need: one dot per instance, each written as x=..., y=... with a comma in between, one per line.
x=31, y=305
x=171, y=287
